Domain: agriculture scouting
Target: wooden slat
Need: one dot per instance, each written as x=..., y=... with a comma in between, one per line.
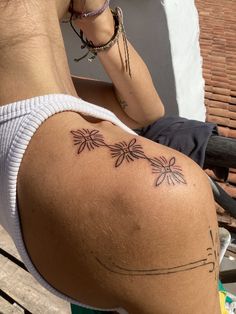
x=20, y=286
x=8, y=308
x=7, y=244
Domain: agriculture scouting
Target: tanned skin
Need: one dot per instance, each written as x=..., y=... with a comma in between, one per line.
x=108, y=218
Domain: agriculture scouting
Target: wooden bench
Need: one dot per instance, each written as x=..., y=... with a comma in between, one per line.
x=19, y=291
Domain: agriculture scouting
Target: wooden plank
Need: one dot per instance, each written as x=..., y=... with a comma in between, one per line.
x=7, y=244
x=24, y=289
x=8, y=308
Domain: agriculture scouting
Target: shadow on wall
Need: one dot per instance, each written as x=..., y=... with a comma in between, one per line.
x=146, y=28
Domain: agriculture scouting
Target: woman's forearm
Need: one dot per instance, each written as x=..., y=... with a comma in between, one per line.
x=136, y=94
x=102, y=94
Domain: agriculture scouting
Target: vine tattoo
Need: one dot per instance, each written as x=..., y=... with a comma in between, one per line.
x=209, y=260
x=166, y=170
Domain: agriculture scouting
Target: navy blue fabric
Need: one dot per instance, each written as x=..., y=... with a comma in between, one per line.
x=187, y=136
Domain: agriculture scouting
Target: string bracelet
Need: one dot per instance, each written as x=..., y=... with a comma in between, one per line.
x=118, y=30
x=81, y=15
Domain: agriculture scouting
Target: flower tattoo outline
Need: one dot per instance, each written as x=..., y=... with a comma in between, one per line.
x=167, y=170
x=131, y=151
x=86, y=138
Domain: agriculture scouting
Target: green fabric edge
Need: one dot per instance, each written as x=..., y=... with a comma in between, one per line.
x=75, y=309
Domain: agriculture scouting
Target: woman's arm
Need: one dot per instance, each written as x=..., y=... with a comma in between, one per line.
x=137, y=95
x=102, y=94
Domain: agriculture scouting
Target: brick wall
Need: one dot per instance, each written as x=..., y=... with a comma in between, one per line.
x=218, y=49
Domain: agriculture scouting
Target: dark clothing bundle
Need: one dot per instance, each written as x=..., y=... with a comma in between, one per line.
x=189, y=137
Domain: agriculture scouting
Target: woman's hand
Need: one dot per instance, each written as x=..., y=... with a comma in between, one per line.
x=87, y=5
x=134, y=88
x=99, y=28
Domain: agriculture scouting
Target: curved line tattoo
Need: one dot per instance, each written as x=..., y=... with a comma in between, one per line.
x=166, y=170
x=209, y=260
x=188, y=267
x=160, y=269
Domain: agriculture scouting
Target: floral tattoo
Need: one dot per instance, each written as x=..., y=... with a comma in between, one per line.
x=129, y=152
x=166, y=170
x=86, y=138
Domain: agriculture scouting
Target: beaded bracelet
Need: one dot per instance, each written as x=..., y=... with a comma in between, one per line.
x=81, y=15
x=118, y=30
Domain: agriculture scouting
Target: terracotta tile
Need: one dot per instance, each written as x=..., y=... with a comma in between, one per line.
x=218, y=48
x=229, y=188
x=221, y=112
x=226, y=131
x=216, y=104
